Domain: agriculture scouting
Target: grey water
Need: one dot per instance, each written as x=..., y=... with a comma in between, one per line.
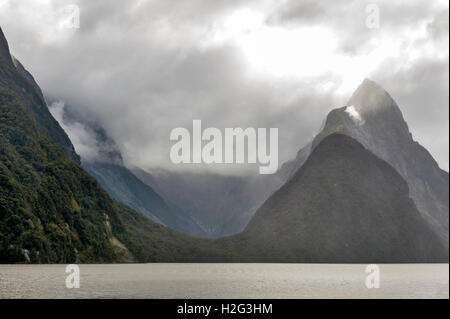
x=225, y=281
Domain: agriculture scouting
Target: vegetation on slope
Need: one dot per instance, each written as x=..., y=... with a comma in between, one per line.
x=51, y=210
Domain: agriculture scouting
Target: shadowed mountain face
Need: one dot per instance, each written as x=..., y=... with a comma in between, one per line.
x=223, y=205
x=343, y=205
x=5, y=56
x=51, y=209
x=27, y=75
x=124, y=186
x=288, y=169
x=109, y=170
x=24, y=86
x=203, y=204
x=373, y=118
x=220, y=205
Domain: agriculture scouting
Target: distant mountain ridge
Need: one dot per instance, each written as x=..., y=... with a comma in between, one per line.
x=109, y=170
x=220, y=205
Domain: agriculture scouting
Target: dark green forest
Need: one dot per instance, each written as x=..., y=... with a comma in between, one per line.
x=51, y=209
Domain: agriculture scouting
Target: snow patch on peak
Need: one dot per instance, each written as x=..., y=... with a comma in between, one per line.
x=354, y=115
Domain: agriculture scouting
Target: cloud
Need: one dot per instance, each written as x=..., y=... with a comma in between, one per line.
x=87, y=137
x=354, y=114
x=84, y=142
x=142, y=68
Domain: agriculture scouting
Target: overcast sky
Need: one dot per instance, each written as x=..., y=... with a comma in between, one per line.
x=142, y=68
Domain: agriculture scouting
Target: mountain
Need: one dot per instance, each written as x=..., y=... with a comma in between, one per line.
x=51, y=209
x=220, y=205
x=223, y=205
x=288, y=169
x=124, y=186
x=16, y=80
x=108, y=168
x=27, y=75
x=344, y=205
x=374, y=119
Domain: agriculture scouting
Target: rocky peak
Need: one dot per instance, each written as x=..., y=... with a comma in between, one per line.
x=370, y=111
x=373, y=118
x=5, y=56
x=369, y=101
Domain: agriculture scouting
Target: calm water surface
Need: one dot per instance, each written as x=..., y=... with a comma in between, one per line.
x=224, y=281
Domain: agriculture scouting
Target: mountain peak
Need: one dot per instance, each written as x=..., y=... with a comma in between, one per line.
x=370, y=111
x=332, y=208
x=373, y=118
x=370, y=97
x=367, y=86
x=4, y=49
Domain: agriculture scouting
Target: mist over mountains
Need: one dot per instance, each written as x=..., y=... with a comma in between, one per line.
x=380, y=127
x=374, y=119
x=101, y=157
x=51, y=209
x=362, y=191
x=141, y=89
x=223, y=205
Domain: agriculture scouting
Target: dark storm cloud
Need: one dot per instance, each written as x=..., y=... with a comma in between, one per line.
x=143, y=68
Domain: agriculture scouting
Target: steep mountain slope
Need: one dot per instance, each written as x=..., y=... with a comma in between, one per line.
x=27, y=75
x=288, y=169
x=51, y=210
x=343, y=205
x=125, y=187
x=373, y=118
x=23, y=85
x=104, y=162
x=220, y=205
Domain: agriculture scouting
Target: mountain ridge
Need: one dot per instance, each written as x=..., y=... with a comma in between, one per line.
x=343, y=205
x=51, y=209
x=108, y=167
x=17, y=79
x=381, y=128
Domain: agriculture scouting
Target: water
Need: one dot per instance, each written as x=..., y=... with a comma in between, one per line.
x=224, y=281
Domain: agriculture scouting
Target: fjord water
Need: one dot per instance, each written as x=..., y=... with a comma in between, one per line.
x=225, y=281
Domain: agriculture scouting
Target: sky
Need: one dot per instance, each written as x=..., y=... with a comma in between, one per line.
x=142, y=68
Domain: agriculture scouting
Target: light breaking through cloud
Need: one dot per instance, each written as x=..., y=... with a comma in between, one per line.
x=143, y=68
